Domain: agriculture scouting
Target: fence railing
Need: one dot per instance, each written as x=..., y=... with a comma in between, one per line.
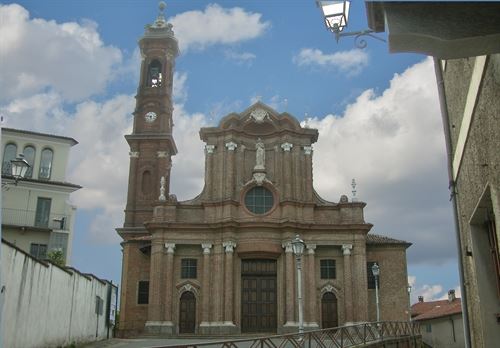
x=337, y=337
x=29, y=218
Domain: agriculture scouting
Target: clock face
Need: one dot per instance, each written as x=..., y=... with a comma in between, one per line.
x=150, y=116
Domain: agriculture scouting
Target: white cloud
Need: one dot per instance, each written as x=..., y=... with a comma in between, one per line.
x=216, y=25
x=242, y=58
x=37, y=55
x=430, y=292
x=349, y=62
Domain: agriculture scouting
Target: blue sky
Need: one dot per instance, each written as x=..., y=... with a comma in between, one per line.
x=71, y=68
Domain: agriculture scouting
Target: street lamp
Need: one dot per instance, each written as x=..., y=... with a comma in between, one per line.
x=409, y=302
x=298, y=250
x=336, y=15
x=18, y=169
x=376, y=273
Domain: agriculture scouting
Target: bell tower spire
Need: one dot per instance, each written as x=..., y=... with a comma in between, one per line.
x=151, y=142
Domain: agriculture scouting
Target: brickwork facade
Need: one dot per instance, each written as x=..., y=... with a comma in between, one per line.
x=222, y=263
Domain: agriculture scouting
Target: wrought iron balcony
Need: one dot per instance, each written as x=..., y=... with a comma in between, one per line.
x=30, y=218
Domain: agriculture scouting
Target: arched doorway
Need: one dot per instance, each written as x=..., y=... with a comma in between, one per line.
x=329, y=310
x=187, y=313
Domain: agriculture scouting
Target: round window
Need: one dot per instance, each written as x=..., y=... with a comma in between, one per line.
x=259, y=200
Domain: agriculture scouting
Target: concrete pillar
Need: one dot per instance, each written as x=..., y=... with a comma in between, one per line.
x=169, y=281
x=205, y=285
x=228, y=283
x=289, y=285
x=312, y=302
x=348, y=305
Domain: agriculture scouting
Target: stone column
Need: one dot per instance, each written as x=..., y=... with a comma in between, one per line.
x=217, y=285
x=312, y=302
x=205, y=285
x=308, y=177
x=209, y=168
x=348, y=305
x=169, y=281
x=289, y=285
x=287, y=161
x=360, y=289
x=155, y=312
x=229, y=172
x=228, y=283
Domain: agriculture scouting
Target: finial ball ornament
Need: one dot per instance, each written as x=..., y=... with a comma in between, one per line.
x=162, y=5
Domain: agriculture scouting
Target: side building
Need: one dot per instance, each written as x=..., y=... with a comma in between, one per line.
x=222, y=263
x=36, y=214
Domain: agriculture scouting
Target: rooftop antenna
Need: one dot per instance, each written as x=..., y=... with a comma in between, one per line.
x=353, y=184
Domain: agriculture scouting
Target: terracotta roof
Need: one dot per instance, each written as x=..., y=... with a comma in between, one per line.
x=22, y=131
x=435, y=309
x=378, y=239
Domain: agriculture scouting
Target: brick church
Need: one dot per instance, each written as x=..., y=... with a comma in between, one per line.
x=222, y=262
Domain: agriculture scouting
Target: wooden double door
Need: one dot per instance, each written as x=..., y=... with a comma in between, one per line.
x=187, y=313
x=258, y=296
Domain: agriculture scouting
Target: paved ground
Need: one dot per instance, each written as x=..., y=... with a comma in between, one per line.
x=147, y=342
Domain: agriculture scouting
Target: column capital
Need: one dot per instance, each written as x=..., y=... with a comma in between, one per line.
x=134, y=154
x=287, y=246
x=286, y=147
x=310, y=248
x=231, y=146
x=308, y=150
x=161, y=154
x=346, y=249
x=229, y=246
x=210, y=148
x=206, y=248
x=170, y=247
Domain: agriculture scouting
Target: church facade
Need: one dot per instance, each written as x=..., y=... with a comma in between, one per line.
x=222, y=263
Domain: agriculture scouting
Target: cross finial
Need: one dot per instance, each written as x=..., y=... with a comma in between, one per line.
x=353, y=184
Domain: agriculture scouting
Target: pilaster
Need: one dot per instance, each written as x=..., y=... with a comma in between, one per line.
x=348, y=305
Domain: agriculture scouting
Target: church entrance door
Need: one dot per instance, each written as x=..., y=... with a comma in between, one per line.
x=258, y=295
x=187, y=313
x=329, y=316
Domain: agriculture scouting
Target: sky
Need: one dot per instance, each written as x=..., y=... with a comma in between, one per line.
x=71, y=68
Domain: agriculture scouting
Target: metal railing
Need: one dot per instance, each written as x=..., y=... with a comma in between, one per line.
x=337, y=337
x=30, y=218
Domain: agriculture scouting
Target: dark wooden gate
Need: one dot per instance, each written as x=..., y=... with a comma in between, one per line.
x=258, y=296
x=187, y=313
x=329, y=311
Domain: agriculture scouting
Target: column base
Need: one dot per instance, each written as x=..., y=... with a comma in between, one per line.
x=218, y=328
x=293, y=327
x=159, y=327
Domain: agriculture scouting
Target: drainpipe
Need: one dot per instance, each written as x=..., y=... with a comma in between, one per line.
x=453, y=187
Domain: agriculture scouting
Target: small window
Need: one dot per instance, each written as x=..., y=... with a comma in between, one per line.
x=370, y=276
x=38, y=250
x=42, y=214
x=9, y=153
x=46, y=164
x=29, y=156
x=428, y=328
x=328, y=269
x=143, y=292
x=154, y=74
x=188, y=268
x=99, y=305
x=259, y=200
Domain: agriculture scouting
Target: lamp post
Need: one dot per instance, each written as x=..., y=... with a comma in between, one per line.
x=18, y=168
x=298, y=250
x=336, y=15
x=376, y=273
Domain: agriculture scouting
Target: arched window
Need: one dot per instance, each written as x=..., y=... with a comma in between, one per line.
x=46, y=164
x=29, y=156
x=154, y=74
x=9, y=154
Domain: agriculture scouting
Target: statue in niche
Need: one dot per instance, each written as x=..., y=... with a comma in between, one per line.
x=260, y=155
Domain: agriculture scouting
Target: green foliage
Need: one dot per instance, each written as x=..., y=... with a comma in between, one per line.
x=56, y=256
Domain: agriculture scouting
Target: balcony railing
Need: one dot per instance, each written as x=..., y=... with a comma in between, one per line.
x=30, y=218
x=338, y=337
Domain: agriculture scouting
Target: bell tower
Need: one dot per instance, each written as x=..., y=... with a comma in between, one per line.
x=151, y=142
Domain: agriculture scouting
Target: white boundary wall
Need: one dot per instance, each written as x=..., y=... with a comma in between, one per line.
x=47, y=306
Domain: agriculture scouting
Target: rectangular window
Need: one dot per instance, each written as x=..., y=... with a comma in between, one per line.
x=428, y=328
x=143, y=292
x=99, y=305
x=188, y=268
x=328, y=269
x=370, y=276
x=42, y=214
x=38, y=250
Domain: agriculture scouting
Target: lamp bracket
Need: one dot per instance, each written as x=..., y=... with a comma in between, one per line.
x=359, y=42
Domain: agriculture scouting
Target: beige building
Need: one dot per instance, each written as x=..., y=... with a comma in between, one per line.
x=36, y=214
x=464, y=39
x=222, y=263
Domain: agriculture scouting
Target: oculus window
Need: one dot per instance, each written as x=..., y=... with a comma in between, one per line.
x=259, y=200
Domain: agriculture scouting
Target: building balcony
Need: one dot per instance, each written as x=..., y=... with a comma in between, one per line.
x=32, y=219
